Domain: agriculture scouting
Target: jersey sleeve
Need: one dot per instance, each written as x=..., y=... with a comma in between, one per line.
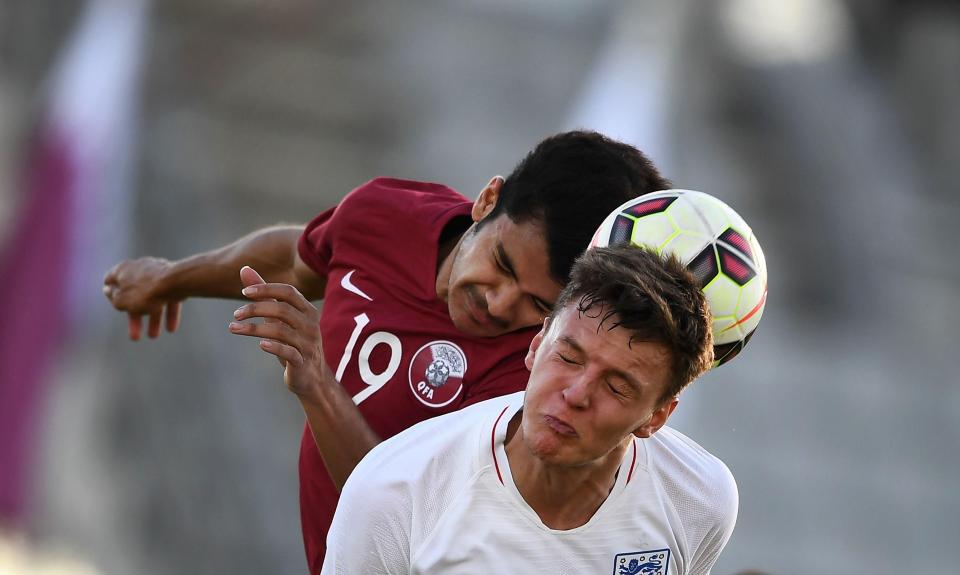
x=319, y=238
x=374, y=205
x=316, y=243
x=727, y=501
x=370, y=533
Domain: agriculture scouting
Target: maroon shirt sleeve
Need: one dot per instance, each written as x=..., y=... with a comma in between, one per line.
x=316, y=243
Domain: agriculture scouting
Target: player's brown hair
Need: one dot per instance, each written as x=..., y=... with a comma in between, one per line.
x=654, y=297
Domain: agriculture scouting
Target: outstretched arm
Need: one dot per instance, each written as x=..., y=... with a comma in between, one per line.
x=151, y=286
x=291, y=332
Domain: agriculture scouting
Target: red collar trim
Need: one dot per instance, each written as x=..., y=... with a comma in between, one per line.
x=633, y=463
x=493, y=444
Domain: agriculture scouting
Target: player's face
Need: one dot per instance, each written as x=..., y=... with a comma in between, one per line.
x=590, y=389
x=499, y=279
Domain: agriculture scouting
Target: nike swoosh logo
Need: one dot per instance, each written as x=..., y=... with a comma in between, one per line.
x=348, y=285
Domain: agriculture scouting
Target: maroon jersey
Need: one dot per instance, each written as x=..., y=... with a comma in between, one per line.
x=386, y=335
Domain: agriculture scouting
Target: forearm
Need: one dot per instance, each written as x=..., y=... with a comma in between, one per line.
x=341, y=433
x=291, y=332
x=271, y=251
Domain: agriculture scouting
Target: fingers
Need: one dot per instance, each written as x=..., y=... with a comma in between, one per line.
x=274, y=331
x=280, y=292
x=173, y=316
x=249, y=277
x=132, y=286
x=278, y=334
x=134, y=326
x=271, y=311
x=290, y=325
x=112, y=288
x=153, y=330
x=110, y=278
x=110, y=285
x=285, y=353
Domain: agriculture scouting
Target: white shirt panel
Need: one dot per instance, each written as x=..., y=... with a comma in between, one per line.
x=439, y=498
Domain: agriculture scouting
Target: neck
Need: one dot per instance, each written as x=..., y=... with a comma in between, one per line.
x=564, y=497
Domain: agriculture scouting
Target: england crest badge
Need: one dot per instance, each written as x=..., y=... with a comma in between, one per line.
x=655, y=562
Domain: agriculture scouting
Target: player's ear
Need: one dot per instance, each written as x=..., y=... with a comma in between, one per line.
x=487, y=199
x=535, y=344
x=658, y=418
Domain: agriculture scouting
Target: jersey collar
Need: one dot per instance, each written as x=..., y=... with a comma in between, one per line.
x=494, y=453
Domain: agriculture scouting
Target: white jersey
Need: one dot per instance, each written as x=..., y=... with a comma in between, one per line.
x=440, y=498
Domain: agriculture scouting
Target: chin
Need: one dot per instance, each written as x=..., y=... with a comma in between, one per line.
x=547, y=449
x=460, y=318
x=461, y=323
x=465, y=324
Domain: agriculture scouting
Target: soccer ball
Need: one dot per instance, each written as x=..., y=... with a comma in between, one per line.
x=716, y=245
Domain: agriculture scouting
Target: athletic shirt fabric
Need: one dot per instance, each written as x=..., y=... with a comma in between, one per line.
x=440, y=498
x=386, y=335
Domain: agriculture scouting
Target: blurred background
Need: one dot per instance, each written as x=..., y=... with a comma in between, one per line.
x=132, y=128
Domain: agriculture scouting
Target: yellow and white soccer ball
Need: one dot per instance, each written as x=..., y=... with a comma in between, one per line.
x=717, y=246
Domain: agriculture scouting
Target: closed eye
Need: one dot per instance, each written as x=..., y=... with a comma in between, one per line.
x=621, y=387
x=542, y=306
x=616, y=390
x=503, y=262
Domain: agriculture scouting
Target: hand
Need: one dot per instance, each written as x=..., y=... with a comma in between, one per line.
x=290, y=331
x=134, y=286
x=250, y=277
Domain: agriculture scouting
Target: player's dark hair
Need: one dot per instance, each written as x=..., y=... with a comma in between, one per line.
x=654, y=297
x=571, y=182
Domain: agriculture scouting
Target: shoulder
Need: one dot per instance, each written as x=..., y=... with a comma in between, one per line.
x=395, y=497
x=391, y=203
x=695, y=478
x=411, y=478
x=395, y=191
x=439, y=450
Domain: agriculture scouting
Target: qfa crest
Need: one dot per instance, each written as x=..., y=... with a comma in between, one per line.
x=436, y=373
x=642, y=563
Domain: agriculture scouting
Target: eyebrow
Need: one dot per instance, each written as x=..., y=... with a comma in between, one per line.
x=632, y=381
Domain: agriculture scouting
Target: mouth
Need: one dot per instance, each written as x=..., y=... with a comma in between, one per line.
x=560, y=427
x=478, y=312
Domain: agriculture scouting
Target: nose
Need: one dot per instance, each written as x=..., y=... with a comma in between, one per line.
x=502, y=302
x=577, y=392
